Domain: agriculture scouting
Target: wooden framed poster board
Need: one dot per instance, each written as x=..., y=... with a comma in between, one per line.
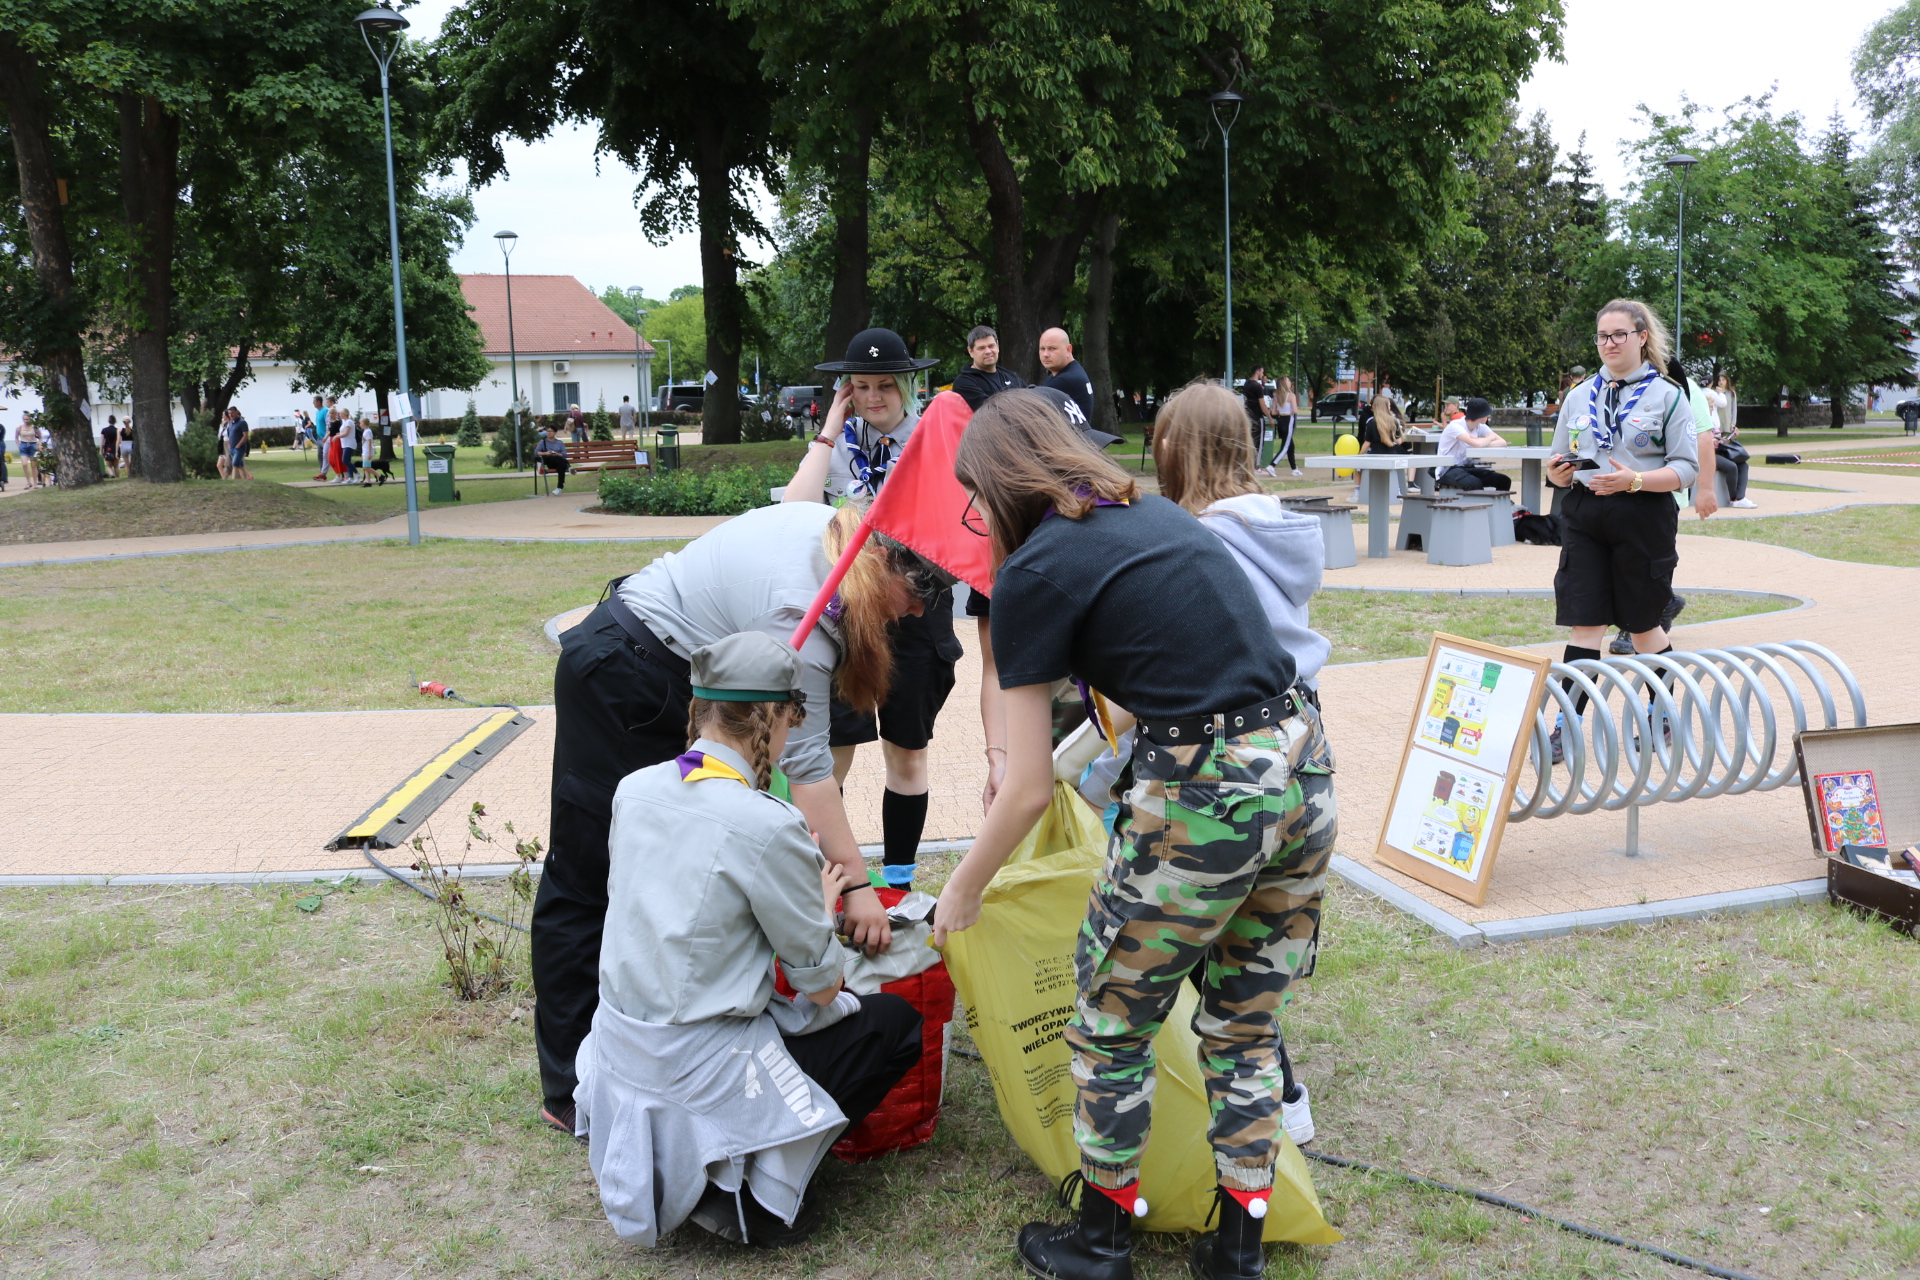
x=1464, y=750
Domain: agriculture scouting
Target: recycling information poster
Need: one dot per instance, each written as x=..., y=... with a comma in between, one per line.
x=1477, y=706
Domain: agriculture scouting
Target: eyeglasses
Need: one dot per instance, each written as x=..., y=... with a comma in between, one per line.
x=1616, y=338
x=971, y=520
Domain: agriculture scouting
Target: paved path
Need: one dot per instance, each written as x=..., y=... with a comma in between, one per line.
x=309, y=776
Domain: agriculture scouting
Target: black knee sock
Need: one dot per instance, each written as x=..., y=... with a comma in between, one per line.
x=902, y=820
x=1289, y=1092
x=1574, y=653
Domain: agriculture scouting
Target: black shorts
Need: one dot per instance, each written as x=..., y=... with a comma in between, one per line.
x=1617, y=556
x=924, y=652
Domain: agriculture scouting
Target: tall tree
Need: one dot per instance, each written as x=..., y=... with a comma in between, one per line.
x=1886, y=74
x=679, y=94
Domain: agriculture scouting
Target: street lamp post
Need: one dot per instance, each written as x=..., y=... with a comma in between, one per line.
x=646, y=375
x=506, y=240
x=388, y=25
x=1226, y=109
x=1681, y=164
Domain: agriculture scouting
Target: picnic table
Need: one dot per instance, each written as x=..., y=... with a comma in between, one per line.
x=1531, y=457
x=1379, y=469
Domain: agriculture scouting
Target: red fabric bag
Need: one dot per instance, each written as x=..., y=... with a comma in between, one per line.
x=906, y=1117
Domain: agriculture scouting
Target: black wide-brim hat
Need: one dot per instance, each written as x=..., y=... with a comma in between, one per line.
x=876, y=351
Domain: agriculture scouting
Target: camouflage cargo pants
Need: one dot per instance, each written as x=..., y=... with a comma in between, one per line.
x=1219, y=859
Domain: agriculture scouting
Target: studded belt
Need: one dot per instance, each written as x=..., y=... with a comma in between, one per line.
x=1179, y=733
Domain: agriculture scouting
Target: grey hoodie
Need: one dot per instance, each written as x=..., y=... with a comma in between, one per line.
x=1282, y=553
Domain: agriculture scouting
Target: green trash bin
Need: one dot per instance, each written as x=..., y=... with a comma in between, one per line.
x=440, y=473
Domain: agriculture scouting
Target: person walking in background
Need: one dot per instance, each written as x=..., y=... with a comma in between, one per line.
x=223, y=458
x=577, y=423
x=126, y=447
x=1254, y=392
x=336, y=459
x=1064, y=372
x=26, y=440
x=240, y=442
x=350, y=447
x=1286, y=414
x=1462, y=435
x=367, y=464
x=629, y=418
x=984, y=377
x=110, y=446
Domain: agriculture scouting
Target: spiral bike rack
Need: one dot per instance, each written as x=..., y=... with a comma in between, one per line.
x=1662, y=728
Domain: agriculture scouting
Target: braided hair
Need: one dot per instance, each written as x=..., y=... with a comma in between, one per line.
x=750, y=723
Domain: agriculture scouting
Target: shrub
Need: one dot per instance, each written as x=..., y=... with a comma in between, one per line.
x=200, y=448
x=755, y=429
x=726, y=491
x=601, y=422
x=503, y=445
x=469, y=434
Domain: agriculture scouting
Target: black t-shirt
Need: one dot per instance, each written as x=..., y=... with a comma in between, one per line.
x=1074, y=381
x=1254, y=390
x=1143, y=604
x=976, y=386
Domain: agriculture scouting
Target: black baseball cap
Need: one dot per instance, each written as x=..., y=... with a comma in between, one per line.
x=1070, y=409
x=1476, y=409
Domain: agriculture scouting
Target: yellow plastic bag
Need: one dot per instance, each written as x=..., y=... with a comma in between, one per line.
x=1014, y=970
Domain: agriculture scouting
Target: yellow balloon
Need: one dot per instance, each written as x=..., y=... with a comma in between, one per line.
x=1344, y=446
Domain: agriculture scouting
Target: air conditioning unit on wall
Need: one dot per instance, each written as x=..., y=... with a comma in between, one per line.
x=563, y=366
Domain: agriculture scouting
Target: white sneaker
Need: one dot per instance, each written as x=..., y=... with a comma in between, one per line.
x=559, y=488
x=1297, y=1119
x=1745, y=504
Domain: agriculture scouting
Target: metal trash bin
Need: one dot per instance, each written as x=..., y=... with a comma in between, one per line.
x=440, y=472
x=667, y=457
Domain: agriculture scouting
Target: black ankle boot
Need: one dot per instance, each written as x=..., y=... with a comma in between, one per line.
x=1098, y=1247
x=1234, y=1251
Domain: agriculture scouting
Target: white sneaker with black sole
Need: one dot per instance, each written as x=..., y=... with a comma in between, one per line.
x=1297, y=1119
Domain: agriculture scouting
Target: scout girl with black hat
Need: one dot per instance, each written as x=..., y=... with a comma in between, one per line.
x=703, y=1093
x=1219, y=857
x=869, y=422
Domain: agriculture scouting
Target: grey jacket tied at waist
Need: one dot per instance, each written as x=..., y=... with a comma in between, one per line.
x=668, y=1109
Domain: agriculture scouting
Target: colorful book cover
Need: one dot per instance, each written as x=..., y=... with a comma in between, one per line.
x=1849, y=809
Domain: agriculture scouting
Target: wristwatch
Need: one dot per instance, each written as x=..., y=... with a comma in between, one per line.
x=1639, y=478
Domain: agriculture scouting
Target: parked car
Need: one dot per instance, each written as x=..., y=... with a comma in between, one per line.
x=1338, y=405
x=691, y=397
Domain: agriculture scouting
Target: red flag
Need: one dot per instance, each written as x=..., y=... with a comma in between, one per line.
x=920, y=507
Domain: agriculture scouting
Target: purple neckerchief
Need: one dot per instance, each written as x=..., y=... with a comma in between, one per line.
x=1086, y=697
x=689, y=762
x=836, y=607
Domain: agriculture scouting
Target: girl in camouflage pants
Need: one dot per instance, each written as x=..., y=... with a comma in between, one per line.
x=1226, y=820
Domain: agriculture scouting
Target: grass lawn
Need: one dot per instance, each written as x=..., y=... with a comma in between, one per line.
x=207, y=1081
x=1365, y=626
x=1866, y=535
x=135, y=509
x=243, y=630
x=327, y=628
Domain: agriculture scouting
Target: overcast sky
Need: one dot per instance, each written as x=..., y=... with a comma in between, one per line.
x=578, y=218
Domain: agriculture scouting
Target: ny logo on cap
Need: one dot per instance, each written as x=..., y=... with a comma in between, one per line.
x=874, y=352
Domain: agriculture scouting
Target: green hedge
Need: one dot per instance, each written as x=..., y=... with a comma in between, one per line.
x=725, y=491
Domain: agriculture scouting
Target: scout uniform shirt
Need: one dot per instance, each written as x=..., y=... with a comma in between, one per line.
x=708, y=880
x=1645, y=423
x=862, y=455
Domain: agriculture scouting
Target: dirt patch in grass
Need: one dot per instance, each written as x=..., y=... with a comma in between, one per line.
x=1864, y=535
x=208, y=1081
x=333, y=627
x=136, y=509
x=1366, y=626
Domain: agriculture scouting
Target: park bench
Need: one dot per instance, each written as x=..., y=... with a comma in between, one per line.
x=601, y=455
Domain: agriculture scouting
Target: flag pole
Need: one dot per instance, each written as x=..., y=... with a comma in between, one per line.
x=832, y=584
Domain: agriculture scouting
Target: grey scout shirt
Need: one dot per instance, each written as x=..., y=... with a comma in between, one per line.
x=707, y=882
x=877, y=449
x=1644, y=424
x=757, y=572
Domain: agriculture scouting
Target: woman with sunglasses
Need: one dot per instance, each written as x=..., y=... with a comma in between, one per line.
x=1625, y=443
x=1218, y=858
x=869, y=423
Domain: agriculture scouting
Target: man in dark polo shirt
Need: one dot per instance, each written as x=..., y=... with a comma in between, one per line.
x=1056, y=354
x=984, y=377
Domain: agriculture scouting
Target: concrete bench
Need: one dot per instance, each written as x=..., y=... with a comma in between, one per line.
x=1416, y=521
x=1336, y=528
x=1458, y=534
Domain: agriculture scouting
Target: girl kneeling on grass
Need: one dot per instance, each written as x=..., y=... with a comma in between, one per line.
x=1219, y=856
x=698, y=1083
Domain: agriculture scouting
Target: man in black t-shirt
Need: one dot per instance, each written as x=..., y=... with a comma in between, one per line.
x=1056, y=354
x=1256, y=391
x=984, y=377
